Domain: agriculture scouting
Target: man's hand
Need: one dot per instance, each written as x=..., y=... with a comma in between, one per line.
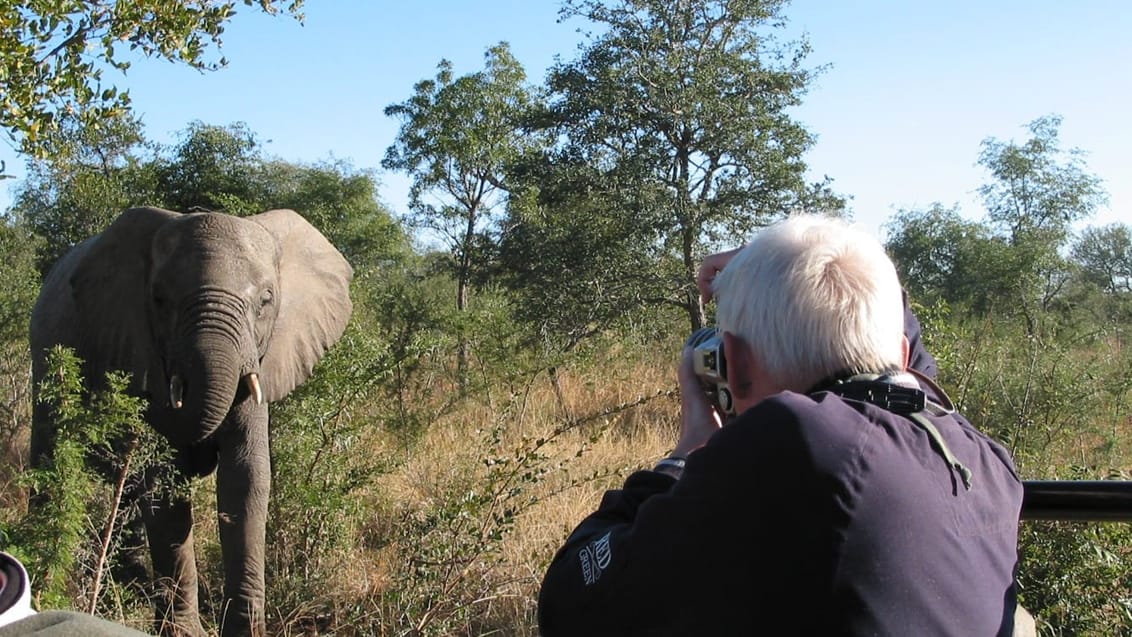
x=713, y=264
x=698, y=418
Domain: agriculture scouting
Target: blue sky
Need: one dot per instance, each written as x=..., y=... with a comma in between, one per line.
x=911, y=90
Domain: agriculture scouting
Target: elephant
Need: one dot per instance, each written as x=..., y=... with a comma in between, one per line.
x=214, y=316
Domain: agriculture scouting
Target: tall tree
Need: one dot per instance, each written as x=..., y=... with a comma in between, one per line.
x=574, y=269
x=1037, y=192
x=457, y=137
x=53, y=53
x=941, y=255
x=686, y=103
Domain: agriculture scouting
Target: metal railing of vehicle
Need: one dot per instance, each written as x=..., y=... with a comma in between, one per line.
x=1085, y=500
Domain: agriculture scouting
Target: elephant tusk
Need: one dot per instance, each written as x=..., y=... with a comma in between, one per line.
x=176, y=392
x=253, y=386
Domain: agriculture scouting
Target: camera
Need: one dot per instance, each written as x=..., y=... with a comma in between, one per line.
x=710, y=366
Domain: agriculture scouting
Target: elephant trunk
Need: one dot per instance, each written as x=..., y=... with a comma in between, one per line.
x=210, y=378
x=177, y=390
x=206, y=371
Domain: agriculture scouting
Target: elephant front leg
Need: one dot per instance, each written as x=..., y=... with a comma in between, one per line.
x=243, y=485
x=169, y=527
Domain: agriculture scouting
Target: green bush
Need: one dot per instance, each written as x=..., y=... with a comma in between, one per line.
x=70, y=535
x=1076, y=577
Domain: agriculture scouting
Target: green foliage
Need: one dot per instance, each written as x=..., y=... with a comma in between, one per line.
x=323, y=437
x=68, y=538
x=685, y=105
x=53, y=52
x=1105, y=255
x=1104, y=258
x=1027, y=390
x=1038, y=190
x=49, y=538
x=457, y=138
x=341, y=202
x=574, y=270
x=213, y=168
x=1012, y=263
x=18, y=289
x=942, y=256
x=91, y=176
x=1075, y=577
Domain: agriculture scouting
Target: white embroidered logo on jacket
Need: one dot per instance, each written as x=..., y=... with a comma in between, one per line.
x=595, y=558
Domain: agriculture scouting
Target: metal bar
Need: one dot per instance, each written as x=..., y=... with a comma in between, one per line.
x=1089, y=500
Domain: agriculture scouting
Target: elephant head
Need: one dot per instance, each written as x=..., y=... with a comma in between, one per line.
x=204, y=307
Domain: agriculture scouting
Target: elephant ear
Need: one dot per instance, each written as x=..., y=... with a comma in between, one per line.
x=314, y=302
x=109, y=289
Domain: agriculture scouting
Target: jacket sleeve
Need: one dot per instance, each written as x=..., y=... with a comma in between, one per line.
x=919, y=359
x=583, y=573
x=659, y=547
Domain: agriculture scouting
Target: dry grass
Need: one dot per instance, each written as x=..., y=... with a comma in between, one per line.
x=548, y=453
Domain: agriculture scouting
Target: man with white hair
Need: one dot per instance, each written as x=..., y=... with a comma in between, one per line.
x=846, y=497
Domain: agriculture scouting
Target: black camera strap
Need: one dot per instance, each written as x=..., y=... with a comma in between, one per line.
x=886, y=392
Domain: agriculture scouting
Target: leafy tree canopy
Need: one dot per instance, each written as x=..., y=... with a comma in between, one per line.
x=91, y=176
x=103, y=171
x=684, y=104
x=457, y=138
x=53, y=54
x=1015, y=258
x=1038, y=189
x=213, y=168
x=1105, y=255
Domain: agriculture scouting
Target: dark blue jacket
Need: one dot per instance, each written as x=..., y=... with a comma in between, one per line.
x=807, y=515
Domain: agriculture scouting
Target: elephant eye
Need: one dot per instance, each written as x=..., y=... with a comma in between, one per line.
x=265, y=301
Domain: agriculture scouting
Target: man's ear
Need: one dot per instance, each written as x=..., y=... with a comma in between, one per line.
x=741, y=367
x=905, y=351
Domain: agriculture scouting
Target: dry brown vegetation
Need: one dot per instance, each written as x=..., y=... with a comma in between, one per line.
x=447, y=530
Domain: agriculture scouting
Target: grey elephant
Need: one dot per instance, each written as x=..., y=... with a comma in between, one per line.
x=215, y=316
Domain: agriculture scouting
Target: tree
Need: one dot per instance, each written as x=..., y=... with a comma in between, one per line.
x=342, y=202
x=1105, y=255
x=18, y=289
x=213, y=168
x=1038, y=188
x=53, y=53
x=941, y=255
x=1037, y=192
x=91, y=176
x=573, y=269
x=685, y=105
x=457, y=137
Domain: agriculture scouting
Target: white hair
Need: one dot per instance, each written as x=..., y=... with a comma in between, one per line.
x=814, y=297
